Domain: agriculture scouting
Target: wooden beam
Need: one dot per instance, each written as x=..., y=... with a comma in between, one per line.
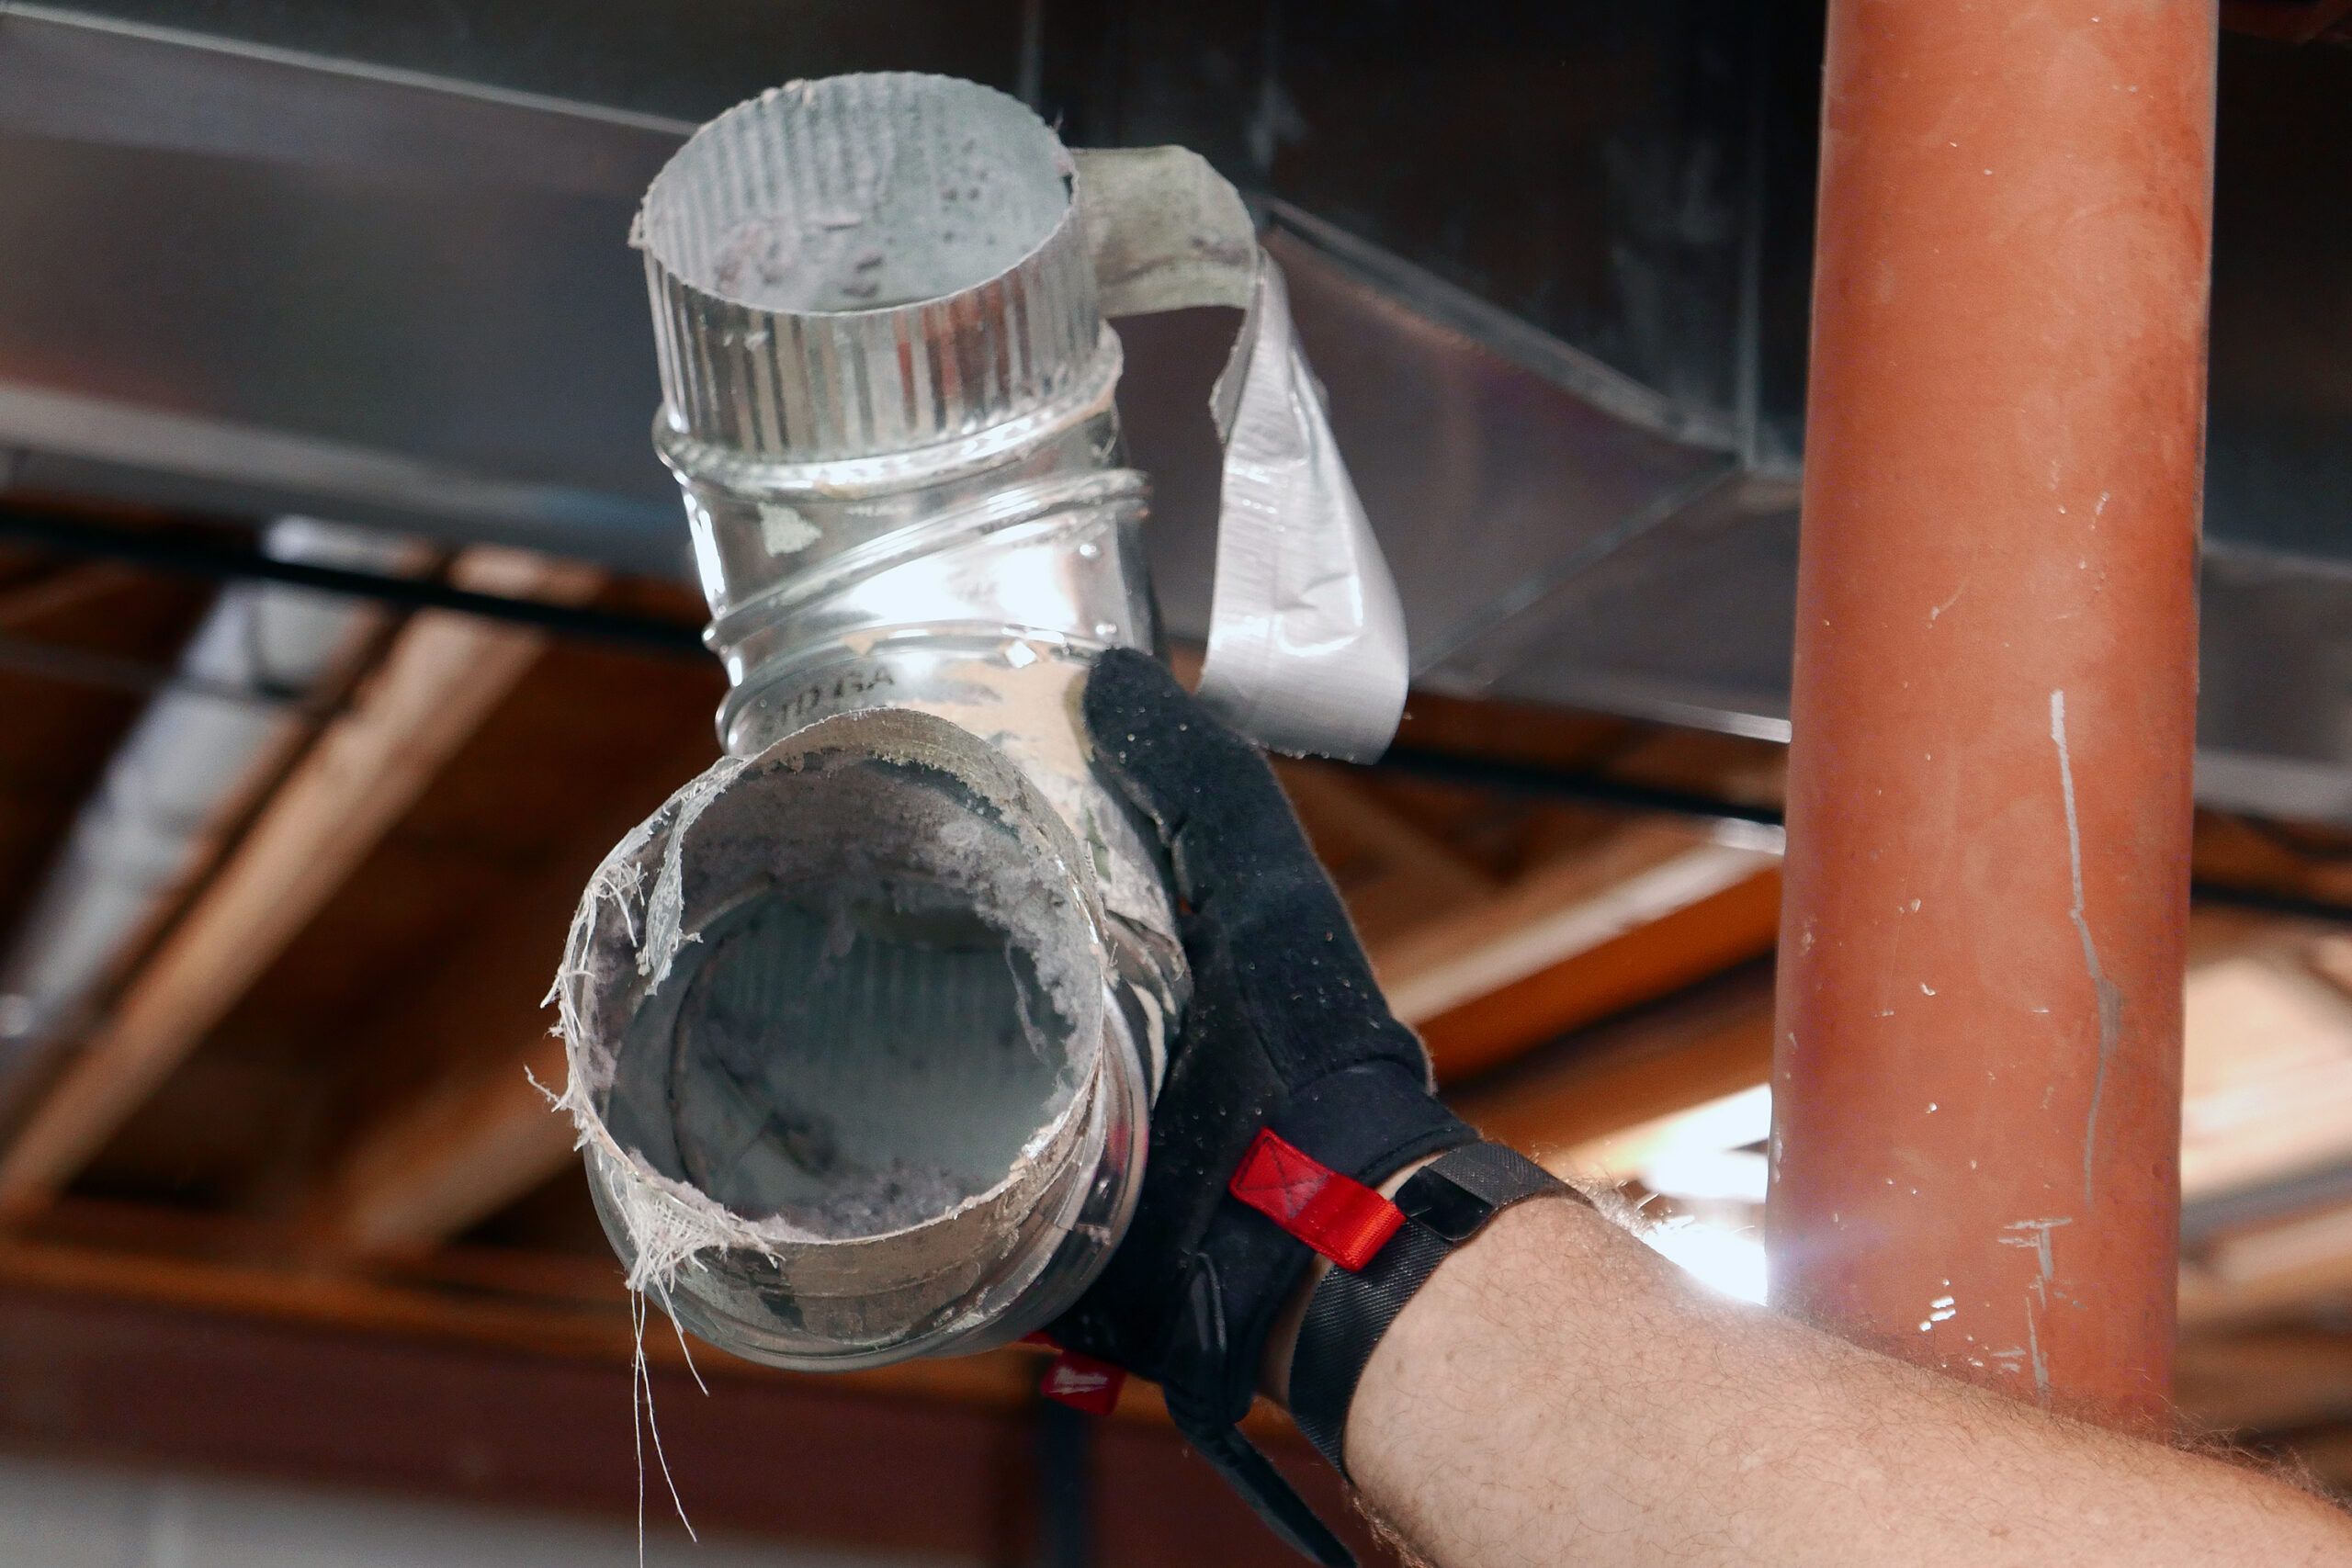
x=523, y=1299
x=491, y=1312
x=1565, y=907
x=474, y=1143
x=341, y=1381
x=1552, y=949
x=127, y=1379
x=2265, y=1270
x=2268, y=1089
x=46, y=593
x=1437, y=922
x=1680, y=947
x=1609, y=921
x=442, y=677
x=1395, y=875
x=442, y=1126
x=1672, y=1057
x=462, y=1151
x=2271, y=1380
x=479, y=1134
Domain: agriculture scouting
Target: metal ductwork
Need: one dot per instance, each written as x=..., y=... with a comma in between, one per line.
x=863, y=1024
x=1569, y=367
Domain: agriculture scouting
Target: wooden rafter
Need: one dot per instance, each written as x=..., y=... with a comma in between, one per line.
x=1682, y=1054
x=2264, y=1380
x=578, y=1323
x=481, y=1134
x=442, y=677
x=1395, y=874
x=1550, y=947
x=443, y=1126
x=144, y=1372
x=2268, y=1066
x=45, y=594
x=1622, y=915
x=463, y=1150
x=537, y=1302
x=1567, y=906
x=1677, y=947
x=2268, y=1270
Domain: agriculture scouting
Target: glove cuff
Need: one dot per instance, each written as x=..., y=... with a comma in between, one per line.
x=1363, y=1123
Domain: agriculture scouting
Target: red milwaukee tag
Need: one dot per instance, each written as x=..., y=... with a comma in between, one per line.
x=1337, y=1215
x=1083, y=1383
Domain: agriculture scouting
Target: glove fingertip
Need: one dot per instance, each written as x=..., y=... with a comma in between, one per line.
x=1126, y=686
x=1167, y=751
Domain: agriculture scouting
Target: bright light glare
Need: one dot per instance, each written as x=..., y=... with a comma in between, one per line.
x=1722, y=1260
x=1708, y=1175
x=1726, y=1124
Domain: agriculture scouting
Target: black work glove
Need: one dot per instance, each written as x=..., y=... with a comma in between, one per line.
x=1286, y=1029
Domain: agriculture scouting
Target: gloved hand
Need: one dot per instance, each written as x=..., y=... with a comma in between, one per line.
x=1286, y=1029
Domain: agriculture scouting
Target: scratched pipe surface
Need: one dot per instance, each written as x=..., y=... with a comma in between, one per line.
x=1977, y=1080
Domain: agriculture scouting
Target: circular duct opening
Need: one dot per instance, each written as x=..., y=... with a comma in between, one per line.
x=858, y=193
x=877, y=1000
x=839, y=1039
x=850, y=1057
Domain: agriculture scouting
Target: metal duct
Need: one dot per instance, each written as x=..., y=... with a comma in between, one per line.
x=863, y=1024
x=192, y=758
x=1538, y=360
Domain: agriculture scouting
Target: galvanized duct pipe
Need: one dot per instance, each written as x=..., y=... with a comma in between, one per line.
x=191, y=759
x=863, y=1023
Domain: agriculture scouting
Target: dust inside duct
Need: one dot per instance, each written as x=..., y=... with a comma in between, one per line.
x=845, y=989
x=851, y=1059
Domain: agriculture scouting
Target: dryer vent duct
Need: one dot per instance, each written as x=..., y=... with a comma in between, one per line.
x=863, y=1024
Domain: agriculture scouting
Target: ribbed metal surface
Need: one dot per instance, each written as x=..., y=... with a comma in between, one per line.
x=861, y=1080
x=865, y=264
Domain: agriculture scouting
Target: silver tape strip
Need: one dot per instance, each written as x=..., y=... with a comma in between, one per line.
x=1307, y=650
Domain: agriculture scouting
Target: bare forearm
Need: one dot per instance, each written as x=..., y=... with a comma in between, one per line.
x=1556, y=1393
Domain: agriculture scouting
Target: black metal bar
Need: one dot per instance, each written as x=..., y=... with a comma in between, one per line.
x=1065, y=1486
x=64, y=535
x=1539, y=782
x=1559, y=783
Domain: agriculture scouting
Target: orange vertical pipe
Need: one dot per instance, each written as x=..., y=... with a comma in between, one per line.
x=1977, y=1075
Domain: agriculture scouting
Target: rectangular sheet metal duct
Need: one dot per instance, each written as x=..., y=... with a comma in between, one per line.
x=263, y=281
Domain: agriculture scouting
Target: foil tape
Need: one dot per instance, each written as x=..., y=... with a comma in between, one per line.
x=1306, y=649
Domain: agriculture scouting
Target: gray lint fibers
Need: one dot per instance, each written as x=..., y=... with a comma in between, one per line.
x=830, y=993
x=852, y=1058
x=869, y=192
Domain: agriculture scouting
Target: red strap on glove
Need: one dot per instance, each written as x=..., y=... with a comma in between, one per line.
x=1078, y=1380
x=1337, y=1215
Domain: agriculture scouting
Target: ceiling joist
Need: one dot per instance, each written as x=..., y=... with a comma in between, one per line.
x=443, y=675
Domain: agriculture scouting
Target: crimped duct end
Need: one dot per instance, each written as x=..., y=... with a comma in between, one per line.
x=864, y=265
